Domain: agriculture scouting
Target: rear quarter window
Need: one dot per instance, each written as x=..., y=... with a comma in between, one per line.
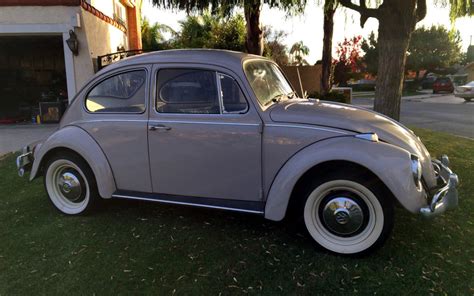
x=121, y=93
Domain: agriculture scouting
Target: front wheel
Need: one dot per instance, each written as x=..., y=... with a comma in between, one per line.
x=348, y=216
x=70, y=184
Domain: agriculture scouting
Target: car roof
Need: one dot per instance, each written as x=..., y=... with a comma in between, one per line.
x=226, y=58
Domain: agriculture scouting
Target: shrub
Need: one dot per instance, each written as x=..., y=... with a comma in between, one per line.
x=331, y=96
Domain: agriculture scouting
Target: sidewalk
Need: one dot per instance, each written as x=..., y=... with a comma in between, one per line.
x=13, y=137
x=424, y=94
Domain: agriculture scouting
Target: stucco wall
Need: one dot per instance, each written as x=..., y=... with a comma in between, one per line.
x=37, y=14
x=96, y=37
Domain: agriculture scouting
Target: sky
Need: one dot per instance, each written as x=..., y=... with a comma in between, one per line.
x=308, y=27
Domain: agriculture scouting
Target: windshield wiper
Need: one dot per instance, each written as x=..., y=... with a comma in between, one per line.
x=275, y=99
x=291, y=95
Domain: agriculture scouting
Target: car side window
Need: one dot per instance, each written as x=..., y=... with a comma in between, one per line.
x=191, y=91
x=232, y=97
x=122, y=93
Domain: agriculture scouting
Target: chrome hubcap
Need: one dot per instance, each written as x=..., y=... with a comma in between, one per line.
x=69, y=185
x=343, y=216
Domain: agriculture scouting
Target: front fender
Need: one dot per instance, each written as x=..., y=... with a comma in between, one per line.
x=78, y=140
x=391, y=164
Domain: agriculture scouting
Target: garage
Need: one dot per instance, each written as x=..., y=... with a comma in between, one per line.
x=33, y=76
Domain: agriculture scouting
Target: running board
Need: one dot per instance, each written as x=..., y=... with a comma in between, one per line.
x=253, y=207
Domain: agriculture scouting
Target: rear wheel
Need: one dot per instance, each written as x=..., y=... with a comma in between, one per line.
x=70, y=184
x=346, y=215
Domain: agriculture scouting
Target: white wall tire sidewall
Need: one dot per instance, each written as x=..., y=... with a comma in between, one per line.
x=344, y=245
x=62, y=204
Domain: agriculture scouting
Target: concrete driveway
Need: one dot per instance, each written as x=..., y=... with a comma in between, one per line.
x=14, y=137
x=440, y=112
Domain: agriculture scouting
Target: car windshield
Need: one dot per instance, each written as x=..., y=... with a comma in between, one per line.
x=470, y=84
x=267, y=81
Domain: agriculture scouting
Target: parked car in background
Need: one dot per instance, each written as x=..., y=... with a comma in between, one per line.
x=225, y=130
x=465, y=91
x=443, y=84
x=427, y=82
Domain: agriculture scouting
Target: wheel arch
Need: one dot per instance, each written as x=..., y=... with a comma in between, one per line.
x=372, y=157
x=336, y=165
x=78, y=141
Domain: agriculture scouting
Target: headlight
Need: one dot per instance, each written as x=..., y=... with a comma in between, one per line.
x=416, y=169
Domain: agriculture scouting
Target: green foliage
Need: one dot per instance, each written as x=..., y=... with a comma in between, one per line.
x=331, y=96
x=429, y=49
x=226, y=7
x=371, y=54
x=274, y=47
x=212, y=31
x=460, y=8
x=153, y=35
x=432, y=48
x=469, y=55
x=298, y=53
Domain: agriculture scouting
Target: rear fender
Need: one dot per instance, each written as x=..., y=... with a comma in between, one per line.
x=79, y=141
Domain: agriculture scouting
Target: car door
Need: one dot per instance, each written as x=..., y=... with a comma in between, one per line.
x=116, y=117
x=204, y=135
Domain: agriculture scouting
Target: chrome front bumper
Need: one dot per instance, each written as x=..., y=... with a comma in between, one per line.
x=446, y=196
x=24, y=161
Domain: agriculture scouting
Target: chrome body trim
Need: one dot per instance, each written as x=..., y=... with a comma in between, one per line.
x=188, y=204
x=307, y=127
x=203, y=122
x=373, y=137
x=446, y=196
x=23, y=162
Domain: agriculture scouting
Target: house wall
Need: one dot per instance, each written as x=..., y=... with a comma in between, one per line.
x=98, y=38
x=97, y=32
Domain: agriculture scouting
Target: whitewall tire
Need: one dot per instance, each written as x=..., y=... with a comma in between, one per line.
x=70, y=184
x=347, y=217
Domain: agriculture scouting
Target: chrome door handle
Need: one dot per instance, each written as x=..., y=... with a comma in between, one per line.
x=156, y=127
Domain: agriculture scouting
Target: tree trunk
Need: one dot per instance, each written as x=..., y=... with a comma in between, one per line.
x=254, y=39
x=326, y=61
x=396, y=23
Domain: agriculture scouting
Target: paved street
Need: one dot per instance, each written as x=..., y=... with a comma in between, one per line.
x=14, y=137
x=442, y=112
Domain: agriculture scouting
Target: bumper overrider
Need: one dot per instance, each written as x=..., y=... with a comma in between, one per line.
x=24, y=161
x=445, y=196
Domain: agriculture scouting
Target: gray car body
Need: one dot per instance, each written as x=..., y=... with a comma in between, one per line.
x=258, y=156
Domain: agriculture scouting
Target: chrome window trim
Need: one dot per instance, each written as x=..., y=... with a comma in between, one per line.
x=147, y=87
x=156, y=93
x=219, y=93
x=222, y=99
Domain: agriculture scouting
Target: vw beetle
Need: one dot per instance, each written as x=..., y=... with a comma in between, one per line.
x=225, y=130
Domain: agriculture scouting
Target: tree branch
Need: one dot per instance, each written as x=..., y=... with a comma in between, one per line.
x=420, y=10
x=365, y=12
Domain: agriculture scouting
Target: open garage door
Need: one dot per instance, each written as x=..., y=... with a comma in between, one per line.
x=33, y=76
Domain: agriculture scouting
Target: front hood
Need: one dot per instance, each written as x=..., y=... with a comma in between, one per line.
x=355, y=119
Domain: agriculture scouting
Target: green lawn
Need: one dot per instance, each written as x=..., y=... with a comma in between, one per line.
x=135, y=247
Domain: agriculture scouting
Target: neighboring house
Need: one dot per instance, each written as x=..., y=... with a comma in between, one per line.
x=50, y=47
